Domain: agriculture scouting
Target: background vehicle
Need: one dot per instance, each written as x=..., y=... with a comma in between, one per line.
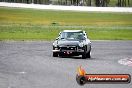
x=73, y=43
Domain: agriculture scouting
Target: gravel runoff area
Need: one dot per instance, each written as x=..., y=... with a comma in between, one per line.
x=69, y=8
x=29, y=64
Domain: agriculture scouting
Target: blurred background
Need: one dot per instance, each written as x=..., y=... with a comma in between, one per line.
x=96, y=3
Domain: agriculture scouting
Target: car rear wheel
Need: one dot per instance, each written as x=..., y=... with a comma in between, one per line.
x=55, y=54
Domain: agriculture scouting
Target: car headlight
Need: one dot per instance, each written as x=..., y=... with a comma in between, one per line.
x=81, y=44
x=54, y=44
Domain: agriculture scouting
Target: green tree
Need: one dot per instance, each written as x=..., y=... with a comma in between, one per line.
x=102, y=3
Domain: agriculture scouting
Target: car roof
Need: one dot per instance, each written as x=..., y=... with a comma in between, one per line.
x=72, y=31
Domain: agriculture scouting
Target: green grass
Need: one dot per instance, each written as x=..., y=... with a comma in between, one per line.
x=30, y=24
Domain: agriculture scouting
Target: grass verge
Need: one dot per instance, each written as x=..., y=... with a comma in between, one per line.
x=30, y=24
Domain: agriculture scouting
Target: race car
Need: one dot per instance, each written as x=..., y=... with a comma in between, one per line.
x=72, y=43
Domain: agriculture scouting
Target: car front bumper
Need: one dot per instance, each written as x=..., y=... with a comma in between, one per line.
x=69, y=52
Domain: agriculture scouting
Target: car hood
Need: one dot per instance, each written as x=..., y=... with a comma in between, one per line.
x=68, y=42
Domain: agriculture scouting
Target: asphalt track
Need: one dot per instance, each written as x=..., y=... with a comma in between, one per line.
x=29, y=64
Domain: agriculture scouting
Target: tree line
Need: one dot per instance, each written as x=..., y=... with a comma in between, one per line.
x=98, y=3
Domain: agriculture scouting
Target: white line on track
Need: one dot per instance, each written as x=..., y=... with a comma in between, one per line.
x=21, y=72
x=126, y=61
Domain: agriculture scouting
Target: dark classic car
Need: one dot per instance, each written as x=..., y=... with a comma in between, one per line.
x=72, y=43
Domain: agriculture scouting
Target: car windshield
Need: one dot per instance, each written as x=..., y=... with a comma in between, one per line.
x=72, y=35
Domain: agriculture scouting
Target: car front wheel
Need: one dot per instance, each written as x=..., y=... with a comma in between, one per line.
x=84, y=55
x=55, y=54
x=88, y=55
